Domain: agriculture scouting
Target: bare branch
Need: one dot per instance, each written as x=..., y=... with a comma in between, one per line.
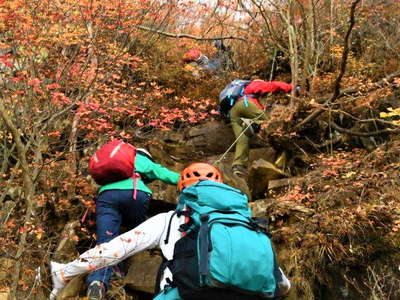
x=189, y=36
x=338, y=111
x=346, y=92
x=336, y=86
x=29, y=190
x=343, y=63
x=357, y=133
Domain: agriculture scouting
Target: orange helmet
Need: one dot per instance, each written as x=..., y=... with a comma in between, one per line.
x=196, y=172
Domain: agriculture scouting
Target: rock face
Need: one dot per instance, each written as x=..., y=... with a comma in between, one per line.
x=260, y=173
x=6, y=264
x=72, y=289
x=212, y=138
x=66, y=250
x=4, y=295
x=175, y=151
x=165, y=192
x=194, y=143
x=207, y=142
x=142, y=271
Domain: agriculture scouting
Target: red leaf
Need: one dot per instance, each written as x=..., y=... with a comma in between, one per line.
x=34, y=82
x=54, y=133
x=53, y=86
x=16, y=79
x=7, y=63
x=58, y=98
x=154, y=123
x=214, y=112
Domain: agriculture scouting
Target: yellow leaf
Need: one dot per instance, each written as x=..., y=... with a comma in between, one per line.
x=383, y=115
x=348, y=174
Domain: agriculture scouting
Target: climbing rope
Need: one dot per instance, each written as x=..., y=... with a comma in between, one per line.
x=252, y=121
x=273, y=65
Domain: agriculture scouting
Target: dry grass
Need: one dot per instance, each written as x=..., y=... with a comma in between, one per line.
x=350, y=244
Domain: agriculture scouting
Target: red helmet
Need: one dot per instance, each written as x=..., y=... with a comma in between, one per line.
x=191, y=55
x=196, y=172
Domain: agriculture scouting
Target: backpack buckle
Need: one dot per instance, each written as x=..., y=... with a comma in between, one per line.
x=185, y=227
x=204, y=218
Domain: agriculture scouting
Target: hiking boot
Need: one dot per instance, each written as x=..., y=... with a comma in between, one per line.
x=118, y=273
x=239, y=170
x=281, y=161
x=58, y=279
x=96, y=291
x=283, y=285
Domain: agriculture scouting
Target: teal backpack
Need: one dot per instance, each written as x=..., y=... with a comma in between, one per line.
x=224, y=253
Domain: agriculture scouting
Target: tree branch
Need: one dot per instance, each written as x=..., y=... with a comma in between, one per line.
x=336, y=86
x=189, y=36
x=338, y=111
x=21, y=149
x=346, y=92
x=357, y=133
x=346, y=49
x=29, y=190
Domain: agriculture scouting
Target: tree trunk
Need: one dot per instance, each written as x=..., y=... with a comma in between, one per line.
x=29, y=190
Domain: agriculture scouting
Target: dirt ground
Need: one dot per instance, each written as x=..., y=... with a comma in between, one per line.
x=337, y=228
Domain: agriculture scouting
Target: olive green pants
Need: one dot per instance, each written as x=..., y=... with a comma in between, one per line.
x=248, y=111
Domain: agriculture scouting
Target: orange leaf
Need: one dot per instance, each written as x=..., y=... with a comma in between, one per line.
x=34, y=82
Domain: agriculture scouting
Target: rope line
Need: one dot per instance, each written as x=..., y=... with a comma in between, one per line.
x=252, y=121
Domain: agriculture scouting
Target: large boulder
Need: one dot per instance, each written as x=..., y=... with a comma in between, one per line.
x=224, y=164
x=196, y=143
x=66, y=249
x=73, y=288
x=260, y=173
x=210, y=138
x=5, y=293
x=143, y=271
x=6, y=266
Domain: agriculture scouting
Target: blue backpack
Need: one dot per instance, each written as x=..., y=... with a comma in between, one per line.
x=224, y=254
x=230, y=94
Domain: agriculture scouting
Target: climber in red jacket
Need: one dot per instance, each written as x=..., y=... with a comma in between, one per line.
x=250, y=107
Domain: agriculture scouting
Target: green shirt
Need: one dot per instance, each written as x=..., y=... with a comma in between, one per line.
x=147, y=168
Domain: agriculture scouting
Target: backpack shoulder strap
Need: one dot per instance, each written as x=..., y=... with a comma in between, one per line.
x=204, y=245
x=277, y=275
x=160, y=272
x=169, y=227
x=165, y=262
x=261, y=225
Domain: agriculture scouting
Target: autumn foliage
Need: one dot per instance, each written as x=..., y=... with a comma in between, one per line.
x=74, y=73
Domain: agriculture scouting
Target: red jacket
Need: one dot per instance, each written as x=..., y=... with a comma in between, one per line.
x=259, y=88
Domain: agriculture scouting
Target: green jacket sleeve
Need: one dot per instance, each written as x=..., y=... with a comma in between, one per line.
x=155, y=171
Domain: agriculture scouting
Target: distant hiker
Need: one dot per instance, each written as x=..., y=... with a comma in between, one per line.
x=122, y=171
x=242, y=101
x=196, y=62
x=213, y=248
x=223, y=58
